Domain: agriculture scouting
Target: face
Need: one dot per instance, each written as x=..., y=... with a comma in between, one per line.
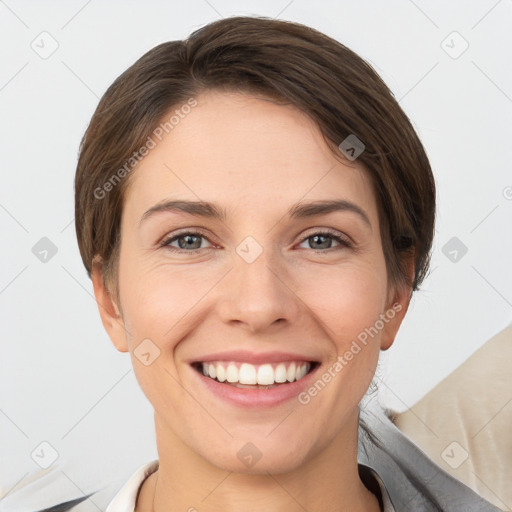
x=250, y=253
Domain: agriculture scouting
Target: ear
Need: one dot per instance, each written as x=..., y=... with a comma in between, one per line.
x=399, y=297
x=109, y=311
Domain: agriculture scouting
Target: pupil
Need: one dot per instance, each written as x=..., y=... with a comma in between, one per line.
x=188, y=241
x=325, y=244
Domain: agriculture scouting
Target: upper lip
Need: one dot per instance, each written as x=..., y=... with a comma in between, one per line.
x=244, y=356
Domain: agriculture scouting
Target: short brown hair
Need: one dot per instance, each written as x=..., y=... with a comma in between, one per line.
x=282, y=60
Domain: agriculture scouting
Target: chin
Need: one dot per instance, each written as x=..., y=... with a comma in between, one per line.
x=275, y=463
x=258, y=455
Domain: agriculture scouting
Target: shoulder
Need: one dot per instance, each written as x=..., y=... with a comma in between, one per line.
x=125, y=499
x=412, y=481
x=116, y=498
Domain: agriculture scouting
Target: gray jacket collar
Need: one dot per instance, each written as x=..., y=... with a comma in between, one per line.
x=413, y=482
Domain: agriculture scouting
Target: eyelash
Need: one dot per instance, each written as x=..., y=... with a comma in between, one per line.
x=343, y=242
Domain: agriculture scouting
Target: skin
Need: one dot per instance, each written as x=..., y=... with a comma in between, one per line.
x=255, y=159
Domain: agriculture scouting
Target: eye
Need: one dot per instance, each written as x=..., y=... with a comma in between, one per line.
x=188, y=241
x=324, y=240
x=192, y=241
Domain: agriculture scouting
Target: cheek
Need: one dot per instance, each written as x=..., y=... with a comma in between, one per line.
x=158, y=299
x=345, y=299
x=158, y=302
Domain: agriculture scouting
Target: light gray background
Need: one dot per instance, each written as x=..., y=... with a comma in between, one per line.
x=61, y=379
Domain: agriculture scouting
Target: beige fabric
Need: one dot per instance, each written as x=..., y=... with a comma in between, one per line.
x=465, y=423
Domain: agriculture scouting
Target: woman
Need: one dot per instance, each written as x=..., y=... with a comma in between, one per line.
x=255, y=210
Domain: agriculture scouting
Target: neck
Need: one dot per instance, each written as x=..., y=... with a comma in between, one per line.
x=329, y=481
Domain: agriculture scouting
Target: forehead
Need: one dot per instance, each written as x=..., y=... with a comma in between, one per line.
x=247, y=150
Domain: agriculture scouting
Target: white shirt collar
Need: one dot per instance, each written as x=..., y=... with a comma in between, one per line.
x=125, y=499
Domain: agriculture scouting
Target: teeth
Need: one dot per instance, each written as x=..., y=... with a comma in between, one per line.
x=249, y=374
x=221, y=373
x=300, y=372
x=290, y=374
x=232, y=373
x=280, y=373
x=265, y=374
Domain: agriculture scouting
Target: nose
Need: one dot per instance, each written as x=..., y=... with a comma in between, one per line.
x=258, y=296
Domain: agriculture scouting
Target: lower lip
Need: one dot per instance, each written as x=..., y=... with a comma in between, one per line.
x=257, y=398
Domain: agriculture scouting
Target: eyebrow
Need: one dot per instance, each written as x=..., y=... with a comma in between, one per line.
x=299, y=210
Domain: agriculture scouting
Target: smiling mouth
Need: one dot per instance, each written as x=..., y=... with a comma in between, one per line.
x=263, y=376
